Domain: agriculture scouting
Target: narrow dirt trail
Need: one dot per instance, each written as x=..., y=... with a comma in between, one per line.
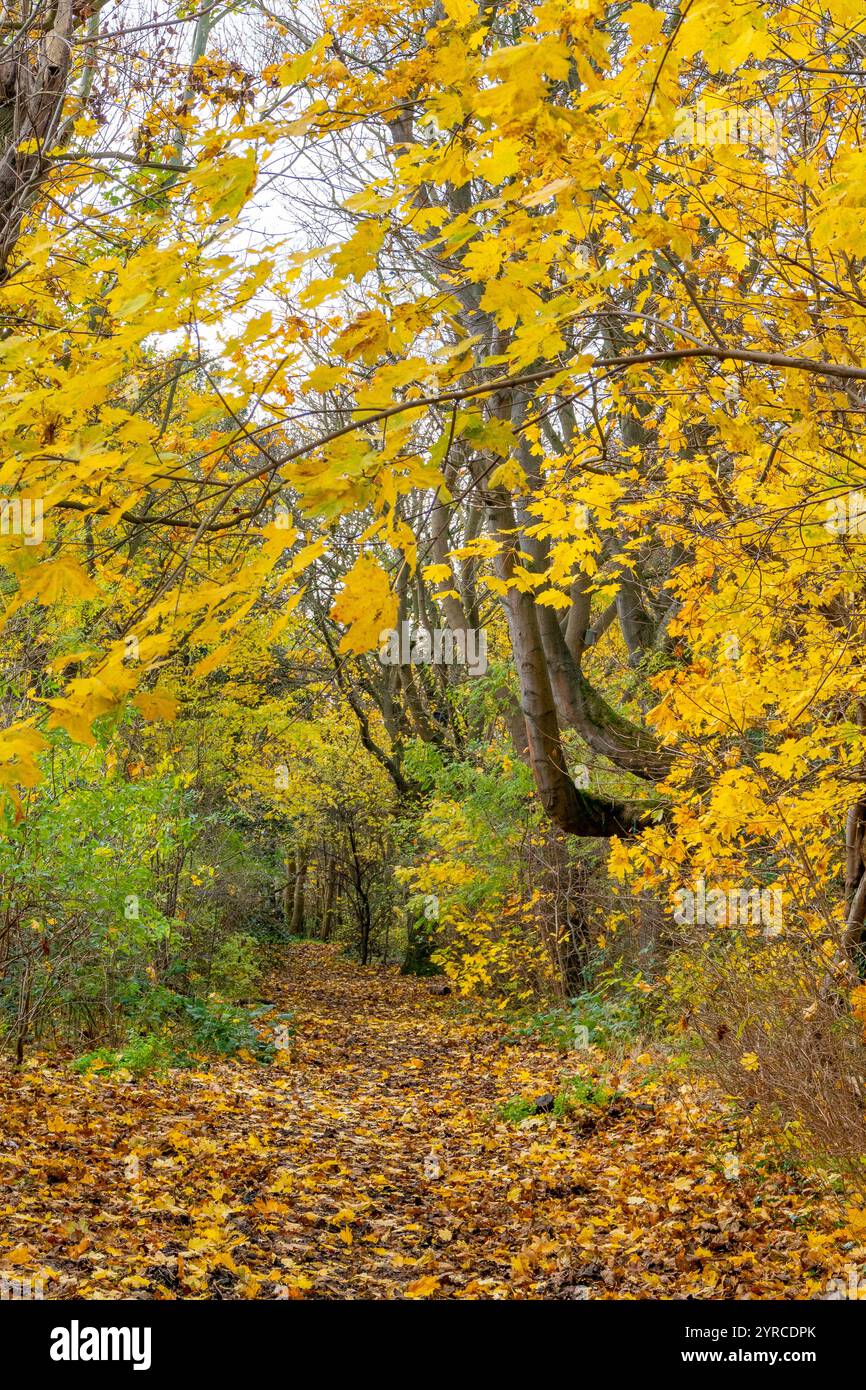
x=372, y=1162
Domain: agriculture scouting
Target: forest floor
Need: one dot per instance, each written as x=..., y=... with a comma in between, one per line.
x=372, y=1161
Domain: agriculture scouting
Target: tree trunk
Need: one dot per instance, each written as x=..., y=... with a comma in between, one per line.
x=330, y=894
x=33, y=83
x=296, y=926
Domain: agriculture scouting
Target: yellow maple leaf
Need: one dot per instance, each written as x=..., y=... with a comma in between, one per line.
x=423, y=1287
x=18, y=748
x=19, y=1256
x=226, y=185
x=156, y=706
x=461, y=11
x=46, y=582
x=554, y=598
x=856, y=1221
x=365, y=606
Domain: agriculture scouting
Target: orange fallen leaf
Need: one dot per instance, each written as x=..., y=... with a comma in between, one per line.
x=423, y=1287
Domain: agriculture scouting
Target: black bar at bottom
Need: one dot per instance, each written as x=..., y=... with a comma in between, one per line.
x=86, y=1341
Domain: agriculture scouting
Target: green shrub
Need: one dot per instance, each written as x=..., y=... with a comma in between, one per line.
x=576, y=1095
x=187, y=1029
x=609, y=1014
x=236, y=967
x=516, y=1110
x=147, y=1052
x=581, y=1093
x=223, y=1028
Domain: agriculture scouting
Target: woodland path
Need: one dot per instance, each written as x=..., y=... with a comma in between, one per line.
x=371, y=1162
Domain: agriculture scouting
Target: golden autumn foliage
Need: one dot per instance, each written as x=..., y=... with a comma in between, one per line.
x=432, y=510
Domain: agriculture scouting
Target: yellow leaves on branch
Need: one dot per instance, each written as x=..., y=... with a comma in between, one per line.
x=156, y=706
x=224, y=187
x=54, y=579
x=19, y=746
x=461, y=12
x=365, y=606
x=85, y=700
x=358, y=254
x=294, y=70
